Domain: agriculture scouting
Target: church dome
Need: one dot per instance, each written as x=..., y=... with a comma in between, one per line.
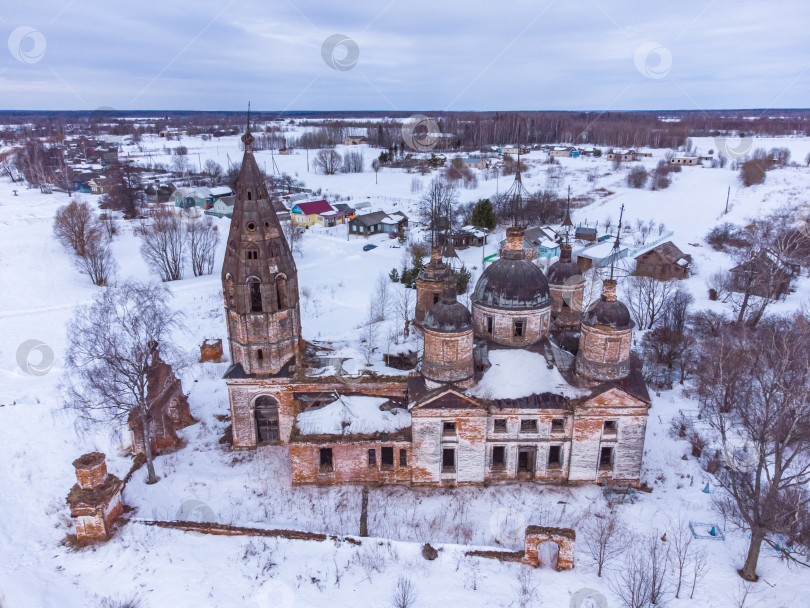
x=512, y=284
x=563, y=269
x=609, y=311
x=448, y=315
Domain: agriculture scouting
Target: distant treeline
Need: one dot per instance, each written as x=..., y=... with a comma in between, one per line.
x=470, y=130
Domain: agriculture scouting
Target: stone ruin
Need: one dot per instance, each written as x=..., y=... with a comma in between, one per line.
x=95, y=501
x=168, y=409
x=564, y=538
x=211, y=350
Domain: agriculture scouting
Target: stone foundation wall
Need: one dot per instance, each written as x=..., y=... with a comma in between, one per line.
x=536, y=324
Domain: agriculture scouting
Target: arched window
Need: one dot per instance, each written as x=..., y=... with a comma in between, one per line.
x=252, y=253
x=250, y=195
x=255, y=294
x=266, y=420
x=281, y=291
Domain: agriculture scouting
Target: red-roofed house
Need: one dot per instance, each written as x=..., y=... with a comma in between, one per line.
x=315, y=212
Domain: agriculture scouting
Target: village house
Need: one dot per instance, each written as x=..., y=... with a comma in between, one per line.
x=200, y=196
x=354, y=140
x=563, y=152
x=315, y=212
x=98, y=185
x=543, y=241
x=765, y=275
x=223, y=207
x=473, y=163
x=689, y=161
x=467, y=236
x=378, y=222
x=622, y=156
x=494, y=399
x=664, y=262
x=585, y=233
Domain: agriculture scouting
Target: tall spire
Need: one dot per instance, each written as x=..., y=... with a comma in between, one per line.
x=567, y=223
x=516, y=191
x=247, y=138
x=614, y=255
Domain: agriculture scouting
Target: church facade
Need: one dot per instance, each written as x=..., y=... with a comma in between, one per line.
x=495, y=398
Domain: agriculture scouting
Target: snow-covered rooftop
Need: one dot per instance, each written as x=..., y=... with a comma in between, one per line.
x=520, y=373
x=351, y=415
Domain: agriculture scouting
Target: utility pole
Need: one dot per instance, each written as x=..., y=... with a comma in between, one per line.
x=728, y=195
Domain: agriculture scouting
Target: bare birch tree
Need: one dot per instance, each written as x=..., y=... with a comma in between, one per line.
x=163, y=244
x=97, y=262
x=404, y=308
x=753, y=387
x=605, y=538
x=73, y=226
x=203, y=238
x=110, y=349
x=647, y=298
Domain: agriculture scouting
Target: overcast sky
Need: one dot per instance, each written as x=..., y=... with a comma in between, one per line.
x=404, y=54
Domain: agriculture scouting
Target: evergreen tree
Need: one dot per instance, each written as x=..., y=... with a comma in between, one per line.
x=483, y=215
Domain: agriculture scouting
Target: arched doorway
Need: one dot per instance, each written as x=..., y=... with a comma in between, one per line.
x=547, y=554
x=266, y=420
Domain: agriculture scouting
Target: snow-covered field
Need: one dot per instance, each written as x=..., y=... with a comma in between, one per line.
x=173, y=568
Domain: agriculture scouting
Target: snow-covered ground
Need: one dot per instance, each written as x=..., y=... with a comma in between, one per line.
x=173, y=568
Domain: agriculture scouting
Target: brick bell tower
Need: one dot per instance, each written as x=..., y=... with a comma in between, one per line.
x=259, y=278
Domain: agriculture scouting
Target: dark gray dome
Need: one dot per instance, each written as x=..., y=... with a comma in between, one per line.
x=609, y=312
x=559, y=272
x=448, y=317
x=515, y=284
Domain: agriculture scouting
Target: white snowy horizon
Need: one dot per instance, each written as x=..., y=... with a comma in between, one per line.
x=401, y=56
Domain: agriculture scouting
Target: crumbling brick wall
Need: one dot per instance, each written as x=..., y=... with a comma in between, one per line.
x=350, y=462
x=604, y=353
x=448, y=358
x=564, y=538
x=242, y=394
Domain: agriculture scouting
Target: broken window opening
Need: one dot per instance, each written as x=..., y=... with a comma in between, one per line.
x=326, y=463
x=498, y=457
x=448, y=460
x=387, y=458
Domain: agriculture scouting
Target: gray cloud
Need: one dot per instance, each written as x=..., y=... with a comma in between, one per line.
x=413, y=55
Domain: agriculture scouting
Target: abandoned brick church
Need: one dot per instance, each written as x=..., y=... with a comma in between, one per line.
x=496, y=397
